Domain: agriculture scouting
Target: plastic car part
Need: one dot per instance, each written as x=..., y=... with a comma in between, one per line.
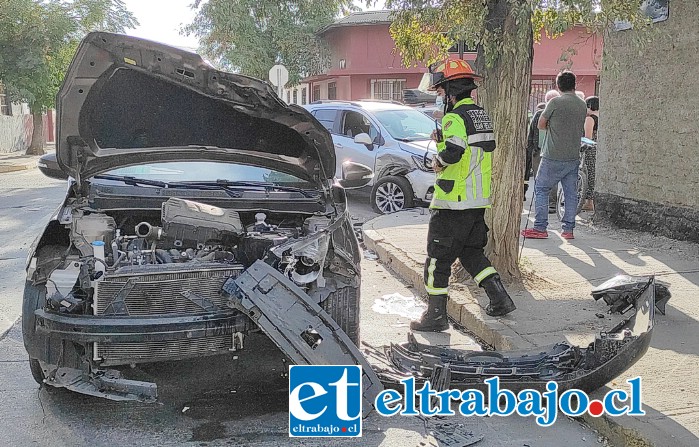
x=197, y=223
x=585, y=368
x=107, y=384
x=296, y=324
x=621, y=291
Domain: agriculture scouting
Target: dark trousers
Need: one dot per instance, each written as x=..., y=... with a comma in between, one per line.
x=455, y=234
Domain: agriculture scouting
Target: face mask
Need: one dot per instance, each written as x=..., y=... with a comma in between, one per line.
x=439, y=102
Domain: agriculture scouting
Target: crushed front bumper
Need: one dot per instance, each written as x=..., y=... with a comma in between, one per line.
x=99, y=329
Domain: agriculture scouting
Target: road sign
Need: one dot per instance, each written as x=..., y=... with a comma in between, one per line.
x=279, y=76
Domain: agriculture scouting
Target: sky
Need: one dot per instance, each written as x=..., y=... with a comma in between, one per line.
x=161, y=20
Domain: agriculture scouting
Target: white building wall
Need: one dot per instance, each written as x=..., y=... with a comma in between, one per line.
x=303, y=94
x=16, y=130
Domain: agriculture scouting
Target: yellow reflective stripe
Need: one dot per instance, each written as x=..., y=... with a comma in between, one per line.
x=457, y=141
x=479, y=194
x=481, y=137
x=433, y=291
x=430, y=273
x=463, y=205
x=484, y=274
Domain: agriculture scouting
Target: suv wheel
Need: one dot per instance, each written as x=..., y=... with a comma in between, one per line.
x=391, y=194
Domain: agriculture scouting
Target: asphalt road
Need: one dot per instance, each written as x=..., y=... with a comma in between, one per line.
x=222, y=401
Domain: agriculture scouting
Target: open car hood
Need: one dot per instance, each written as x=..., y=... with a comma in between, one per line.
x=128, y=101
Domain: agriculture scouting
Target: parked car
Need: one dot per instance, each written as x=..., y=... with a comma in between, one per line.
x=390, y=138
x=197, y=202
x=432, y=111
x=48, y=165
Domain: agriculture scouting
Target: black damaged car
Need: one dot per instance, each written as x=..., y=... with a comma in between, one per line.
x=193, y=195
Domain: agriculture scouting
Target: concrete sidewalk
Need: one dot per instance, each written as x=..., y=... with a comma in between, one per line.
x=554, y=303
x=18, y=161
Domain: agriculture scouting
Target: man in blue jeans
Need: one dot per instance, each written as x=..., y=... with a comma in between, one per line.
x=563, y=122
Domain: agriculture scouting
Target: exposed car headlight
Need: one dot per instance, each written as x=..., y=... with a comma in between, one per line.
x=423, y=163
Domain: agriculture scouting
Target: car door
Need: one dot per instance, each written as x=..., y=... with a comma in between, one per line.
x=329, y=119
x=351, y=124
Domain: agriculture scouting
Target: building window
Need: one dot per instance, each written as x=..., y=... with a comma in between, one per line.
x=461, y=47
x=538, y=92
x=387, y=89
x=5, y=105
x=332, y=90
x=288, y=97
x=316, y=93
x=296, y=96
x=303, y=96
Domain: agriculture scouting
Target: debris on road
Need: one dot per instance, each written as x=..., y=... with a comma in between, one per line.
x=370, y=255
x=397, y=304
x=453, y=435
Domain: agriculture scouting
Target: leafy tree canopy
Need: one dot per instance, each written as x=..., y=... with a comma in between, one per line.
x=424, y=29
x=250, y=36
x=38, y=39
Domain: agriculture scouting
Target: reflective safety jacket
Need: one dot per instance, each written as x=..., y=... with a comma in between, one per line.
x=465, y=152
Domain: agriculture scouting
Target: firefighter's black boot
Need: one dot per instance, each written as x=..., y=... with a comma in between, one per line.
x=435, y=317
x=500, y=301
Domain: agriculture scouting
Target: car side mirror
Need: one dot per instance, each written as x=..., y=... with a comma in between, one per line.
x=365, y=139
x=355, y=175
x=48, y=165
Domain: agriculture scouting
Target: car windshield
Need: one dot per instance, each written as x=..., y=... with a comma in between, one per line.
x=179, y=172
x=406, y=125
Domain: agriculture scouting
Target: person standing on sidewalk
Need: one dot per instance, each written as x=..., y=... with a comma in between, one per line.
x=457, y=228
x=564, y=122
x=591, y=126
x=535, y=140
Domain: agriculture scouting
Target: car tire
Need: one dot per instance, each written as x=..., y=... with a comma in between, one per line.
x=343, y=307
x=37, y=372
x=390, y=194
x=34, y=298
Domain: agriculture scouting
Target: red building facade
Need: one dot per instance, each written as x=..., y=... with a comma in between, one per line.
x=365, y=64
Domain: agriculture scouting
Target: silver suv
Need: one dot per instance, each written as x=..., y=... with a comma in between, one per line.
x=392, y=139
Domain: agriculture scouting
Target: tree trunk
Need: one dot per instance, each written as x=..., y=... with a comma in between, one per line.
x=36, y=147
x=505, y=96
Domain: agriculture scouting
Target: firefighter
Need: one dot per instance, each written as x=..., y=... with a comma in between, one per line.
x=457, y=228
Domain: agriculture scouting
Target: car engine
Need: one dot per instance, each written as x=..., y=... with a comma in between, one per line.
x=136, y=264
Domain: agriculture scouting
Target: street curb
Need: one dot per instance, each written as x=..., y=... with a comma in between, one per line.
x=631, y=432
x=14, y=168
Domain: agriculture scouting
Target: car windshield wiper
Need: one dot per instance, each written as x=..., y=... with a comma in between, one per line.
x=133, y=181
x=236, y=184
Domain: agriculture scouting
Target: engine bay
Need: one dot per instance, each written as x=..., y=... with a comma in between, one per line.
x=184, y=235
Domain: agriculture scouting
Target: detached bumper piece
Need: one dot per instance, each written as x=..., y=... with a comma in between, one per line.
x=620, y=292
x=586, y=368
x=296, y=324
x=107, y=384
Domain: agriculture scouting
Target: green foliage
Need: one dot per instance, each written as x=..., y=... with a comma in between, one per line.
x=39, y=38
x=250, y=36
x=424, y=29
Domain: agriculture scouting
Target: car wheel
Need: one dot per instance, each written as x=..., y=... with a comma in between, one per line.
x=34, y=298
x=343, y=307
x=391, y=194
x=37, y=372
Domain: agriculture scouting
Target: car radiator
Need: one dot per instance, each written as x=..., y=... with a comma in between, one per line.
x=165, y=289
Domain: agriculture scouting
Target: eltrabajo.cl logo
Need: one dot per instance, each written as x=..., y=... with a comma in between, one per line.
x=325, y=401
